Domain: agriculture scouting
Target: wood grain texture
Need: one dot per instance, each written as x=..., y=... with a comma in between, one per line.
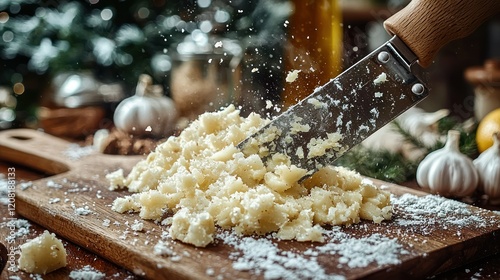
x=431, y=250
x=428, y=25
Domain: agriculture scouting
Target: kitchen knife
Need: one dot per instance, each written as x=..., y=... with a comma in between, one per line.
x=349, y=108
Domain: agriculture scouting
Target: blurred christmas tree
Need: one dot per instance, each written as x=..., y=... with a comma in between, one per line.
x=119, y=40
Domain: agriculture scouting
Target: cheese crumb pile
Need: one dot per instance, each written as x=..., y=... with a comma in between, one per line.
x=204, y=181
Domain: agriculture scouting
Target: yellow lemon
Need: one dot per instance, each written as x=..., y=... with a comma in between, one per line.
x=486, y=128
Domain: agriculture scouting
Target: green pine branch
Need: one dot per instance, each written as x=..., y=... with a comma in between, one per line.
x=382, y=165
x=394, y=167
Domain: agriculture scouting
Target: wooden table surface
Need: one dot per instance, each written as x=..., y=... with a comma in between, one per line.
x=487, y=268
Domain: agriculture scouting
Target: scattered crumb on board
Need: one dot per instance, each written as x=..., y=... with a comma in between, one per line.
x=87, y=273
x=261, y=256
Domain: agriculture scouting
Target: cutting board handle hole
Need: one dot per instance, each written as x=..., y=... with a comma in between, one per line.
x=21, y=137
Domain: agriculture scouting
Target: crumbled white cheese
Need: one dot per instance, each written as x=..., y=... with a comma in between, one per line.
x=99, y=195
x=54, y=200
x=317, y=104
x=317, y=146
x=300, y=152
x=116, y=179
x=54, y=185
x=25, y=185
x=137, y=226
x=298, y=125
x=162, y=249
x=42, y=254
x=382, y=78
x=82, y=211
x=106, y=222
x=269, y=104
x=210, y=272
x=218, y=44
x=292, y=76
x=206, y=182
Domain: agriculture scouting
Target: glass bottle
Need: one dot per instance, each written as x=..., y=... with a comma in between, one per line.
x=314, y=48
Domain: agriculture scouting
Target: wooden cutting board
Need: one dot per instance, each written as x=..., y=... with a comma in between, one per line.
x=75, y=203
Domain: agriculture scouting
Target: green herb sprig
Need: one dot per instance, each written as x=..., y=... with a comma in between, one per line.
x=394, y=167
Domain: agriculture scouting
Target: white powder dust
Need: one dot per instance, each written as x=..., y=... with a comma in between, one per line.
x=21, y=229
x=431, y=210
x=75, y=151
x=86, y=273
x=262, y=257
x=4, y=190
x=361, y=252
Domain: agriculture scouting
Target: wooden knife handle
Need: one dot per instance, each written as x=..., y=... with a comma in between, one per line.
x=427, y=25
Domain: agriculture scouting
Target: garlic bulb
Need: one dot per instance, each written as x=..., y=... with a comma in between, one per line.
x=148, y=112
x=423, y=125
x=416, y=122
x=488, y=167
x=447, y=171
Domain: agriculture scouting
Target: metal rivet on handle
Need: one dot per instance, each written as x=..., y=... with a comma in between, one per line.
x=383, y=57
x=418, y=89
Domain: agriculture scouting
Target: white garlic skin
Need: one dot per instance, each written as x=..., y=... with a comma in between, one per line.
x=488, y=167
x=447, y=171
x=418, y=123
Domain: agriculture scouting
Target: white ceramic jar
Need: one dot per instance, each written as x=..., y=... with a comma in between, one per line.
x=486, y=82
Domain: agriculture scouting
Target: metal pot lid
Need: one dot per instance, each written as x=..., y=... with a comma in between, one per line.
x=73, y=90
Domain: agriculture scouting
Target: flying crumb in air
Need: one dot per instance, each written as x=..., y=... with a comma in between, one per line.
x=269, y=104
x=292, y=76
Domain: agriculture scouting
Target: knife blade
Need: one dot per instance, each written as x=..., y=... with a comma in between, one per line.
x=371, y=93
x=343, y=112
